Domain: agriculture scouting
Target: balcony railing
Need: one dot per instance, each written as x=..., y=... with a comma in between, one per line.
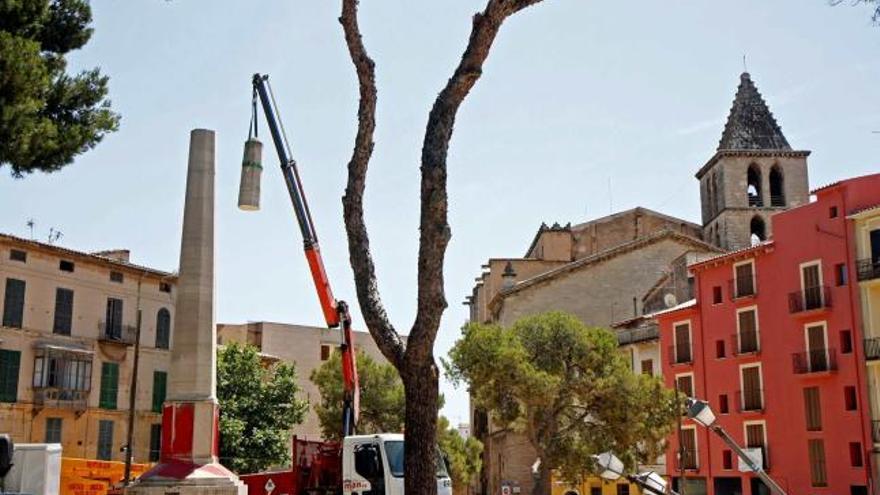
x=751, y=400
x=686, y=459
x=868, y=269
x=638, y=335
x=61, y=398
x=872, y=348
x=875, y=431
x=742, y=287
x=815, y=361
x=680, y=354
x=117, y=334
x=808, y=299
x=777, y=200
x=745, y=342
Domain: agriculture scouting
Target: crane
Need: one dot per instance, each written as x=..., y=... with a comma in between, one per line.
x=336, y=313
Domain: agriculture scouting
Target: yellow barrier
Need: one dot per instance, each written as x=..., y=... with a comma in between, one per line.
x=91, y=477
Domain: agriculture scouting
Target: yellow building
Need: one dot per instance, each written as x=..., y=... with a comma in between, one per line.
x=866, y=232
x=67, y=335
x=594, y=486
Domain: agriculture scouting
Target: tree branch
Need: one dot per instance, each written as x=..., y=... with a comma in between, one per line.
x=375, y=316
x=435, y=232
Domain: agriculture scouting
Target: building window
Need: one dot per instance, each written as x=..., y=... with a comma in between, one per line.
x=113, y=319
x=63, y=311
x=758, y=230
x=723, y=405
x=685, y=384
x=9, y=366
x=816, y=451
x=53, y=430
x=811, y=286
x=66, y=266
x=813, y=409
x=622, y=489
x=850, y=401
x=18, y=255
x=777, y=187
x=648, y=367
x=720, y=351
x=845, y=342
x=855, y=454
x=163, y=329
x=753, y=187
x=155, y=442
x=105, y=440
x=716, y=295
x=688, y=448
x=840, y=277
x=682, y=348
x=817, y=349
x=744, y=280
x=325, y=352
x=160, y=381
x=747, y=331
x=164, y=287
x=752, y=395
x=109, y=385
x=832, y=212
x=727, y=459
x=756, y=438
x=116, y=277
x=66, y=373
x=13, y=303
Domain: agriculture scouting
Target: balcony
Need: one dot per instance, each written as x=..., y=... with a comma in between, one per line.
x=815, y=361
x=680, y=354
x=872, y=348
x=809, y=299
x=61, y=398
x=686, y=459
x=751, y=400
x=745, y=342
x=634, y=335
x=117, y=334
x=867, y=269
x=742, y=287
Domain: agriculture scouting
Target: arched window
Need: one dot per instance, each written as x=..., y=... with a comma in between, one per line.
x=753, y=179
x=777, y=187
x=163, y=329
x=717, y=193
x=710, y=195
x=758, y=230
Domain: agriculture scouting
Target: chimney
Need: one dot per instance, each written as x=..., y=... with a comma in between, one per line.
x=508, y=278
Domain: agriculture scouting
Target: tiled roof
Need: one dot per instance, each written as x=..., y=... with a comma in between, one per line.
x=751, y=125
x=733, y=254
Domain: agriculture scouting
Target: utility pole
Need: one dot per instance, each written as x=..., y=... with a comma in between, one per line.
x=132, y=389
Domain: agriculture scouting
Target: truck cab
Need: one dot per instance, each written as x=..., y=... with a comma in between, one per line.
x=373, y=465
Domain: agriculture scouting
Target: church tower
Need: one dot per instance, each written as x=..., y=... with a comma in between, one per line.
x=753, y=175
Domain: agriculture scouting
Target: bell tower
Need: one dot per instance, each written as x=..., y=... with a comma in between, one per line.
x=753, y=175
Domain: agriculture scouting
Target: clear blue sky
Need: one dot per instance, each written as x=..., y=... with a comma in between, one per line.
x=575, y=94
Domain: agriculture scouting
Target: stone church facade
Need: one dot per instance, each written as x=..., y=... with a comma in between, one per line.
x=614, y=269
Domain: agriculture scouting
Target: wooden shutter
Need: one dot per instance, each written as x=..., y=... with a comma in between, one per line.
x=751, y=381
x=13, y=303
x=816, y=352
x=109, y=385
x=689, y=447
x=155, y=442
x=160, y=380
x=647, y=366
x=812, y=287
x=113, y=318
x=816, y=451
x=63, y=311
x=683, y=343
x=748, y=331
x=9, y=367
x=745, y=284
x=813, y=409
x=686, y=385
x=105, y=440
x=755, y=440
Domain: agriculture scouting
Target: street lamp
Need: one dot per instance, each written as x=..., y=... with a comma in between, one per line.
x=701, y=413
x=612, y=469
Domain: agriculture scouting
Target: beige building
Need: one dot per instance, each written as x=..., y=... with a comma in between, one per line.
x=306, y=347
x=67, y=337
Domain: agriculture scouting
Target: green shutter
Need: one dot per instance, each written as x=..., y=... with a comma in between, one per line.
x=109, y=385
x=160, y=379
x=9, y=364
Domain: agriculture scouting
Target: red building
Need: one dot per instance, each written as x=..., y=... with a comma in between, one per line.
x=773, y=342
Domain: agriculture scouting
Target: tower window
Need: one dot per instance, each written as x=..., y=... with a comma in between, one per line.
x=777, y=189
x=753, y=178
x=758, y=230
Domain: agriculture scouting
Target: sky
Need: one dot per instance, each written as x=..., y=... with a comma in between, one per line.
x=583, y=108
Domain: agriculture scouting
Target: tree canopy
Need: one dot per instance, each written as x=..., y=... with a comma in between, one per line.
x=258, y=408
x=462, y=454
x=47, y=116
x=567, y=388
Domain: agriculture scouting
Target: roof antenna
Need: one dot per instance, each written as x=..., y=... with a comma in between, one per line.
x=745, y=67
x=30, y=224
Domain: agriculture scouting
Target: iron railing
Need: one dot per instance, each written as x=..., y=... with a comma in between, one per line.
x=872, y=348
x=686, y=459
x=814, y=361
x=61, y=398
x=745, y=342
x=750, y=400
x=118, y=334
x=680, y=354
x=633, y=335
x=810, y=298
x=742, y=287
x=867, y=269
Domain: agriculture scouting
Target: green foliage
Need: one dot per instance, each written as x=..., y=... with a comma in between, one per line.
x=48, y=117
x=567, y=387
x=463, y=455
x=258, y=407
x=382, y=398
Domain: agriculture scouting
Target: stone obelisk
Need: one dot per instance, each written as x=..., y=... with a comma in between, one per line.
x=188, y=463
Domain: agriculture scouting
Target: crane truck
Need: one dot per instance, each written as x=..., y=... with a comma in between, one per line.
x=358, y=464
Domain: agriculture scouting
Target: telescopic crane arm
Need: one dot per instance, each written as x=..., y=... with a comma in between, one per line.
x=335, y=312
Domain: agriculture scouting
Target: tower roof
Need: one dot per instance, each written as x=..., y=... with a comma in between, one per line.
x=751, y=125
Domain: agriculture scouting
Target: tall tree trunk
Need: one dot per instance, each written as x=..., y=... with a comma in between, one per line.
x=421, y=386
